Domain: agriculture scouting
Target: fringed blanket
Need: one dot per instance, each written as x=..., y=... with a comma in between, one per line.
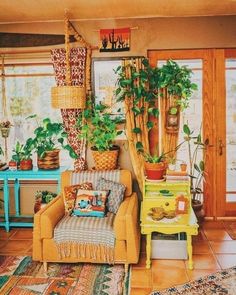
x=90, y=237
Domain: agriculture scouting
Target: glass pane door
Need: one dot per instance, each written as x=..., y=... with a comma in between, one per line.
x=230, y=193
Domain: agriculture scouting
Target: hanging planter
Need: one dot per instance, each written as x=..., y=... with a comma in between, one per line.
x=5, y=127
x=68, y=96
x=172, y=120
x=5, y=132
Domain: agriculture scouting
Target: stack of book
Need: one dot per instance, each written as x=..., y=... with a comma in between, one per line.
x=176, y=176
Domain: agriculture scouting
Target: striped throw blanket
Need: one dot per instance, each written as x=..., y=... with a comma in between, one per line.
x=94, y=176
x=86, y=237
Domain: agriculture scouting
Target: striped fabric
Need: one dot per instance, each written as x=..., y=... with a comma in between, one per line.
x=83, y=236
x=94, y=176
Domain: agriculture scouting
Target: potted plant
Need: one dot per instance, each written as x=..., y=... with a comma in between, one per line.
x=197, y=172
x=100, y=129
x=154, y=165
x=26, y=162
x=42, y=198
x=49, y=137
x=5, y=128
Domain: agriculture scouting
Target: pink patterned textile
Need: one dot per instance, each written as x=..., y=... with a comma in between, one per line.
x=69, y=116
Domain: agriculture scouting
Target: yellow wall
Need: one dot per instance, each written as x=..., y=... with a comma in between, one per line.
x=152, y=33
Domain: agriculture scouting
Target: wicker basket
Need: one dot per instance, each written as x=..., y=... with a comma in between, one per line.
x=49, y=161
x=106, y=160
x=68, y=97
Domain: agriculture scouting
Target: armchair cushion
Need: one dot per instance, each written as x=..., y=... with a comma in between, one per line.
x=116, y=195
x=90, y=203
x=70, y=193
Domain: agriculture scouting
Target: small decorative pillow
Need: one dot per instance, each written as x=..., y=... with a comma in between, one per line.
x=116, y=195
x=70, y=193
x=90, y=203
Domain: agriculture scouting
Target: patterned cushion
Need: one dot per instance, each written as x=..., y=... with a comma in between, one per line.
x=70, y=193
x=116, y=195
x=90, y=203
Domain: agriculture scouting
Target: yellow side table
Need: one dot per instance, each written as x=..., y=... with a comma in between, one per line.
x=162, y=197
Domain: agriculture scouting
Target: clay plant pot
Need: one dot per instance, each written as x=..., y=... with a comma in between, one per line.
x=155, y=171
x=38, y=205
x=198, y=210
x=49, y=161
x=106, y=160
x=26, y=164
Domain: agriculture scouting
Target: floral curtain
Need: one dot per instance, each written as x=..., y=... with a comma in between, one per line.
x=69, y=116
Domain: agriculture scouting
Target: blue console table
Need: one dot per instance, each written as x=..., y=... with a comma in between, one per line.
x=35, y=174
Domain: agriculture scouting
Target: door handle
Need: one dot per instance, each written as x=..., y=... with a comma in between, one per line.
x=221, y=146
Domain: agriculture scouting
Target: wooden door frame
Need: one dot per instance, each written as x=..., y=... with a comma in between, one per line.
x=209, y=122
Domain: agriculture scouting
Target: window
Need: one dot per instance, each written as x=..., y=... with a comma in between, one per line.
x=28, y=91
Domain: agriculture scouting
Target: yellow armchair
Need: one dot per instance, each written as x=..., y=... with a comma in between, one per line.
x=126, y=227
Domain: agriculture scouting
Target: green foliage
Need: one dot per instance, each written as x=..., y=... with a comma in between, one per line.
x=1, y=151
x=45, y=196
x=147, y=85
x=153, y=158
x=22, y=151
x=197, y=167
x=99, y=127
x=50, y=136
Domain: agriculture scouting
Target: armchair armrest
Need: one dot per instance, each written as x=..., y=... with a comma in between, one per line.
x=126, y=226
x=44, y=222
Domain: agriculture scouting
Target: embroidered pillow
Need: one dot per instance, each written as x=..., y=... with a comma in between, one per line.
x=116, y=195
x=90, y=203
x=70, y=193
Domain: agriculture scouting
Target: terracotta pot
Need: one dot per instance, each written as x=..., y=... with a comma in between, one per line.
x=155, y=171
x=26, y=164
x=183, y=167
x=38, y=205
x=106, y=160
x=49, y=161
x=198, y=210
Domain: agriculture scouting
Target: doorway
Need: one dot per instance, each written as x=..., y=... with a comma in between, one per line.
x=214, y=106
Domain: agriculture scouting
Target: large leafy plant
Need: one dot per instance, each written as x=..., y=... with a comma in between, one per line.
x=50, y=136
x=196, y=148
x=143, y=87
x=99, y=127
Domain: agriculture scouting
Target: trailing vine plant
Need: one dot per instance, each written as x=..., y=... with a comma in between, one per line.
x=141, y=86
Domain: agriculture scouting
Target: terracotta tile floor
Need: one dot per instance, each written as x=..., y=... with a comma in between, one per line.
x=213, y=249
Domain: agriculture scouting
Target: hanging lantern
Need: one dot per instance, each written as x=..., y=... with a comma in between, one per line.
x=68, y=97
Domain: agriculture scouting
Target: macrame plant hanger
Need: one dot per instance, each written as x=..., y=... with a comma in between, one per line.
x=68, y=96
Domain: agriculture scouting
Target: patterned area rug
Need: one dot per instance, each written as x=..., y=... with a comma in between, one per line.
x=230, y=227
x=21, y=276
x=220, y=283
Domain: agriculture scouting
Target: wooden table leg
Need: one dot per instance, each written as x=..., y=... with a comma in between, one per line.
x=190, y=251
x=148, y=250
